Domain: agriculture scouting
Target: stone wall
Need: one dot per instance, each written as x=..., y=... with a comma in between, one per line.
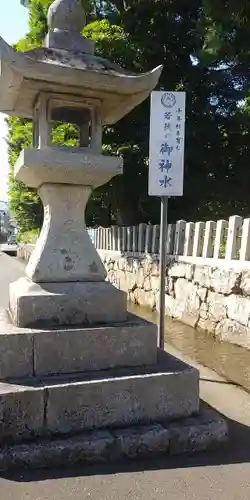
x=212, y=296
x=214, y=299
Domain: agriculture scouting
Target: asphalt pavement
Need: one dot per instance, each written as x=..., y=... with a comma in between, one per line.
x=220, y=475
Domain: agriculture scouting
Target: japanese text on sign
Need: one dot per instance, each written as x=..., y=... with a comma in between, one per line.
x=166, y=148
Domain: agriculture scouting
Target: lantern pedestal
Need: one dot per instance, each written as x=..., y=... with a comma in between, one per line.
x=65, y=282
x=45, y=305
x=65, y=180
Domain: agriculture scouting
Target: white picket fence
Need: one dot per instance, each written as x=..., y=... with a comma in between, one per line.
x=229, y=240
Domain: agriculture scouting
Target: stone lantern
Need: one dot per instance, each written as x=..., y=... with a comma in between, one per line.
x=65, y=82
x=72, y=359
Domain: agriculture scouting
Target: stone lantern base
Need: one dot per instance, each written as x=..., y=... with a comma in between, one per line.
x=97, y=394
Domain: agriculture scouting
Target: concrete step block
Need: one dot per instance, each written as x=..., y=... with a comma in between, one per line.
x=21, y=412
x=35, y=352
x=206, y=431
x=54, y=304
x=124, y=397
x=132, y=343
x=97, y=400
x=16, y=350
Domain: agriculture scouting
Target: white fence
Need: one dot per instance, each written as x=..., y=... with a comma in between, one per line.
x=229, y=240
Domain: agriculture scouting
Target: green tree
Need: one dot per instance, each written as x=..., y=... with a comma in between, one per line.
x=25, y=203
x=204, y=47
x=205, y=52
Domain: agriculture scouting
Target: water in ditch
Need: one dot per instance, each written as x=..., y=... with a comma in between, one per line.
x=228, y=360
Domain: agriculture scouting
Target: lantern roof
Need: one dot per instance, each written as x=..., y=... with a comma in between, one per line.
x=67, y=65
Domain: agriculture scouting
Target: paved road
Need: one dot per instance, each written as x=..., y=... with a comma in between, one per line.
x=10, y=270
x=224, y=475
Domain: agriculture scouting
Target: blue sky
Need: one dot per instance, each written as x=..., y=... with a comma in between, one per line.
x=13, y=26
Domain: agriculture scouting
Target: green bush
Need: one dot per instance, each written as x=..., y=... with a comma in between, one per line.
x=26, y=237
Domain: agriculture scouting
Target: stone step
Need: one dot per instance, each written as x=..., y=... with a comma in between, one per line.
x=73, y=303
x=121, y=397
x=206, y=431
x=34, y=352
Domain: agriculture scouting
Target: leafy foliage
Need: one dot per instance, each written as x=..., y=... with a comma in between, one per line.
x=25, y=204
x=27, y=237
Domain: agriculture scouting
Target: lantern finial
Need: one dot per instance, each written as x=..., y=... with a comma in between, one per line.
x=66, y=19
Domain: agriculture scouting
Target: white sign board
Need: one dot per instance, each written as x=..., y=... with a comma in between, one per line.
x=166, y=145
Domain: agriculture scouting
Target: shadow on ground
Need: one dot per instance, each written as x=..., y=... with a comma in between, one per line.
x=237, y=451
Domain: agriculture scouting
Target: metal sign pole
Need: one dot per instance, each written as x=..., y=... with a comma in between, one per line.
x=166, y=169
x=163, y=240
